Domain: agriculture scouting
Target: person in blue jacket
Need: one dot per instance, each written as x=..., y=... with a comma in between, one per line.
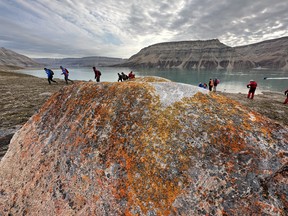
x=65, y=72
x=50, y=74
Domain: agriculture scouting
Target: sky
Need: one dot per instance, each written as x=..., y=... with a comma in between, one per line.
x=121, y=28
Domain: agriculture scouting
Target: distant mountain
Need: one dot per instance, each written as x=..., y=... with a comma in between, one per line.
x=80, y=62
x=212, y=54
x=13, y=60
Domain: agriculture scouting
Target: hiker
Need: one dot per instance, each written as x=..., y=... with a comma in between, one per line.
x=124, y=76
x=215, y=83
x=205, y=85
x=131, y=75
x=252, y=85
x=286, y=93
x=120, y=77
x=97, y=74
x=50, y=74
x=65, y=72
x=211, y=83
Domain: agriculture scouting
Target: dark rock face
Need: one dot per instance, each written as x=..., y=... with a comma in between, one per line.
x=139, y=148
x=212, y=54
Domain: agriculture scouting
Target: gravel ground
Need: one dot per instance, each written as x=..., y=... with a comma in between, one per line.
x=22, y=95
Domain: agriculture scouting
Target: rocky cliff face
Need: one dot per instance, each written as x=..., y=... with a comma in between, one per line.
x=145, y=148
x=213, y=54
x=11, y=59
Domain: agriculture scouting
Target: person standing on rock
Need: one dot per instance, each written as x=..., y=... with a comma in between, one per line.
x=50, y=74
x=97, y=74
x=252, y=88
x=211, y=83
x=65, y=72
x=286, y=93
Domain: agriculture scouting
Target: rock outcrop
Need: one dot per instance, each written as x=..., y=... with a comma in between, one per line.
x=212, y=54
x=145, y=148
x=12, y=60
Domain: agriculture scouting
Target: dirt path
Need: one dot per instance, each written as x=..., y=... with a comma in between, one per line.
x=22, y=95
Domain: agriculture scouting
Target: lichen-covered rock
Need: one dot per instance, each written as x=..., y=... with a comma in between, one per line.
x=145, y=148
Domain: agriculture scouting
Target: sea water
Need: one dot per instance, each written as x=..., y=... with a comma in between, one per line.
x=230, y=81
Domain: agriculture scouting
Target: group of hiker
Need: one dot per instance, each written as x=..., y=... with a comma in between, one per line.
x=123, y=76
x=50, y=75
x=212, y=84
x=97, y=73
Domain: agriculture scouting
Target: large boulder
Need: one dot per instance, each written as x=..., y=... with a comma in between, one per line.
x=145, y=148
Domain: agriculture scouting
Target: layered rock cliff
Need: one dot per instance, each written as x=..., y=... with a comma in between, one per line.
x=212, y=54
x=145, y=148
x=13, y=60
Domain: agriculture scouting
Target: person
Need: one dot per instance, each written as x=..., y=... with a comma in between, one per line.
x=205, y=85
x=50, y=74
x=65, y=72
x=210, y=84
x=131, y=75
x=215, y=83
x=286, y=93
x=120, y=77
x=97, y=74
x=201, y=85
x=252, y=88
x=124, y=76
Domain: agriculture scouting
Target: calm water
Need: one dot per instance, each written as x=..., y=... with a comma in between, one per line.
x=234, y=82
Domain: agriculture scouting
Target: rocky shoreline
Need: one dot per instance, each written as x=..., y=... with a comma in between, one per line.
x=22, y=95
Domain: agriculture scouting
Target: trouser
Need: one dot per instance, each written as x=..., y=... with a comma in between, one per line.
x=210, y=88
x=214, y=88
x=66, y=80
x=286, y=101
x=251, y=92
x=98, y=79
x=50, y=79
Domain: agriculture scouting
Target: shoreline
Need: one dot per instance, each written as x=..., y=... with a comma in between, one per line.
x=22, y=95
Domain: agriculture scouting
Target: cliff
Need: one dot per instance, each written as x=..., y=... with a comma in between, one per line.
x=12, y=60
x=145, y=148
x=212, y=54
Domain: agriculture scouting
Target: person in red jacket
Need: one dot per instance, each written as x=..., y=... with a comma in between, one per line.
x=286, y=93
x=97, y=74
x=252, y=88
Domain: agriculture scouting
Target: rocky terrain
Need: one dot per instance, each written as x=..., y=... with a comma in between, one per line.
x=145, y=148
x=212, y=54
x=21, y=96
x=12, y=60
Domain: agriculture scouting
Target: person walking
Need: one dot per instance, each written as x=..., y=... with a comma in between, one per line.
x=97, y=74
x=120, y=77
x=50, y=74
x=252, y=88
x=211, y=83
x=65, y=72
x=215, y=83
x=286, y=93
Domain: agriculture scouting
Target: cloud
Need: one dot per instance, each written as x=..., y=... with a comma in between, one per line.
x=44, y=28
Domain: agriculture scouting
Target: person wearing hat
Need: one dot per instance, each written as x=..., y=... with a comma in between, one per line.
x=252, y=88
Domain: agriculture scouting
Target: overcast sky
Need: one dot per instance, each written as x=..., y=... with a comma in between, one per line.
x=121, y=28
